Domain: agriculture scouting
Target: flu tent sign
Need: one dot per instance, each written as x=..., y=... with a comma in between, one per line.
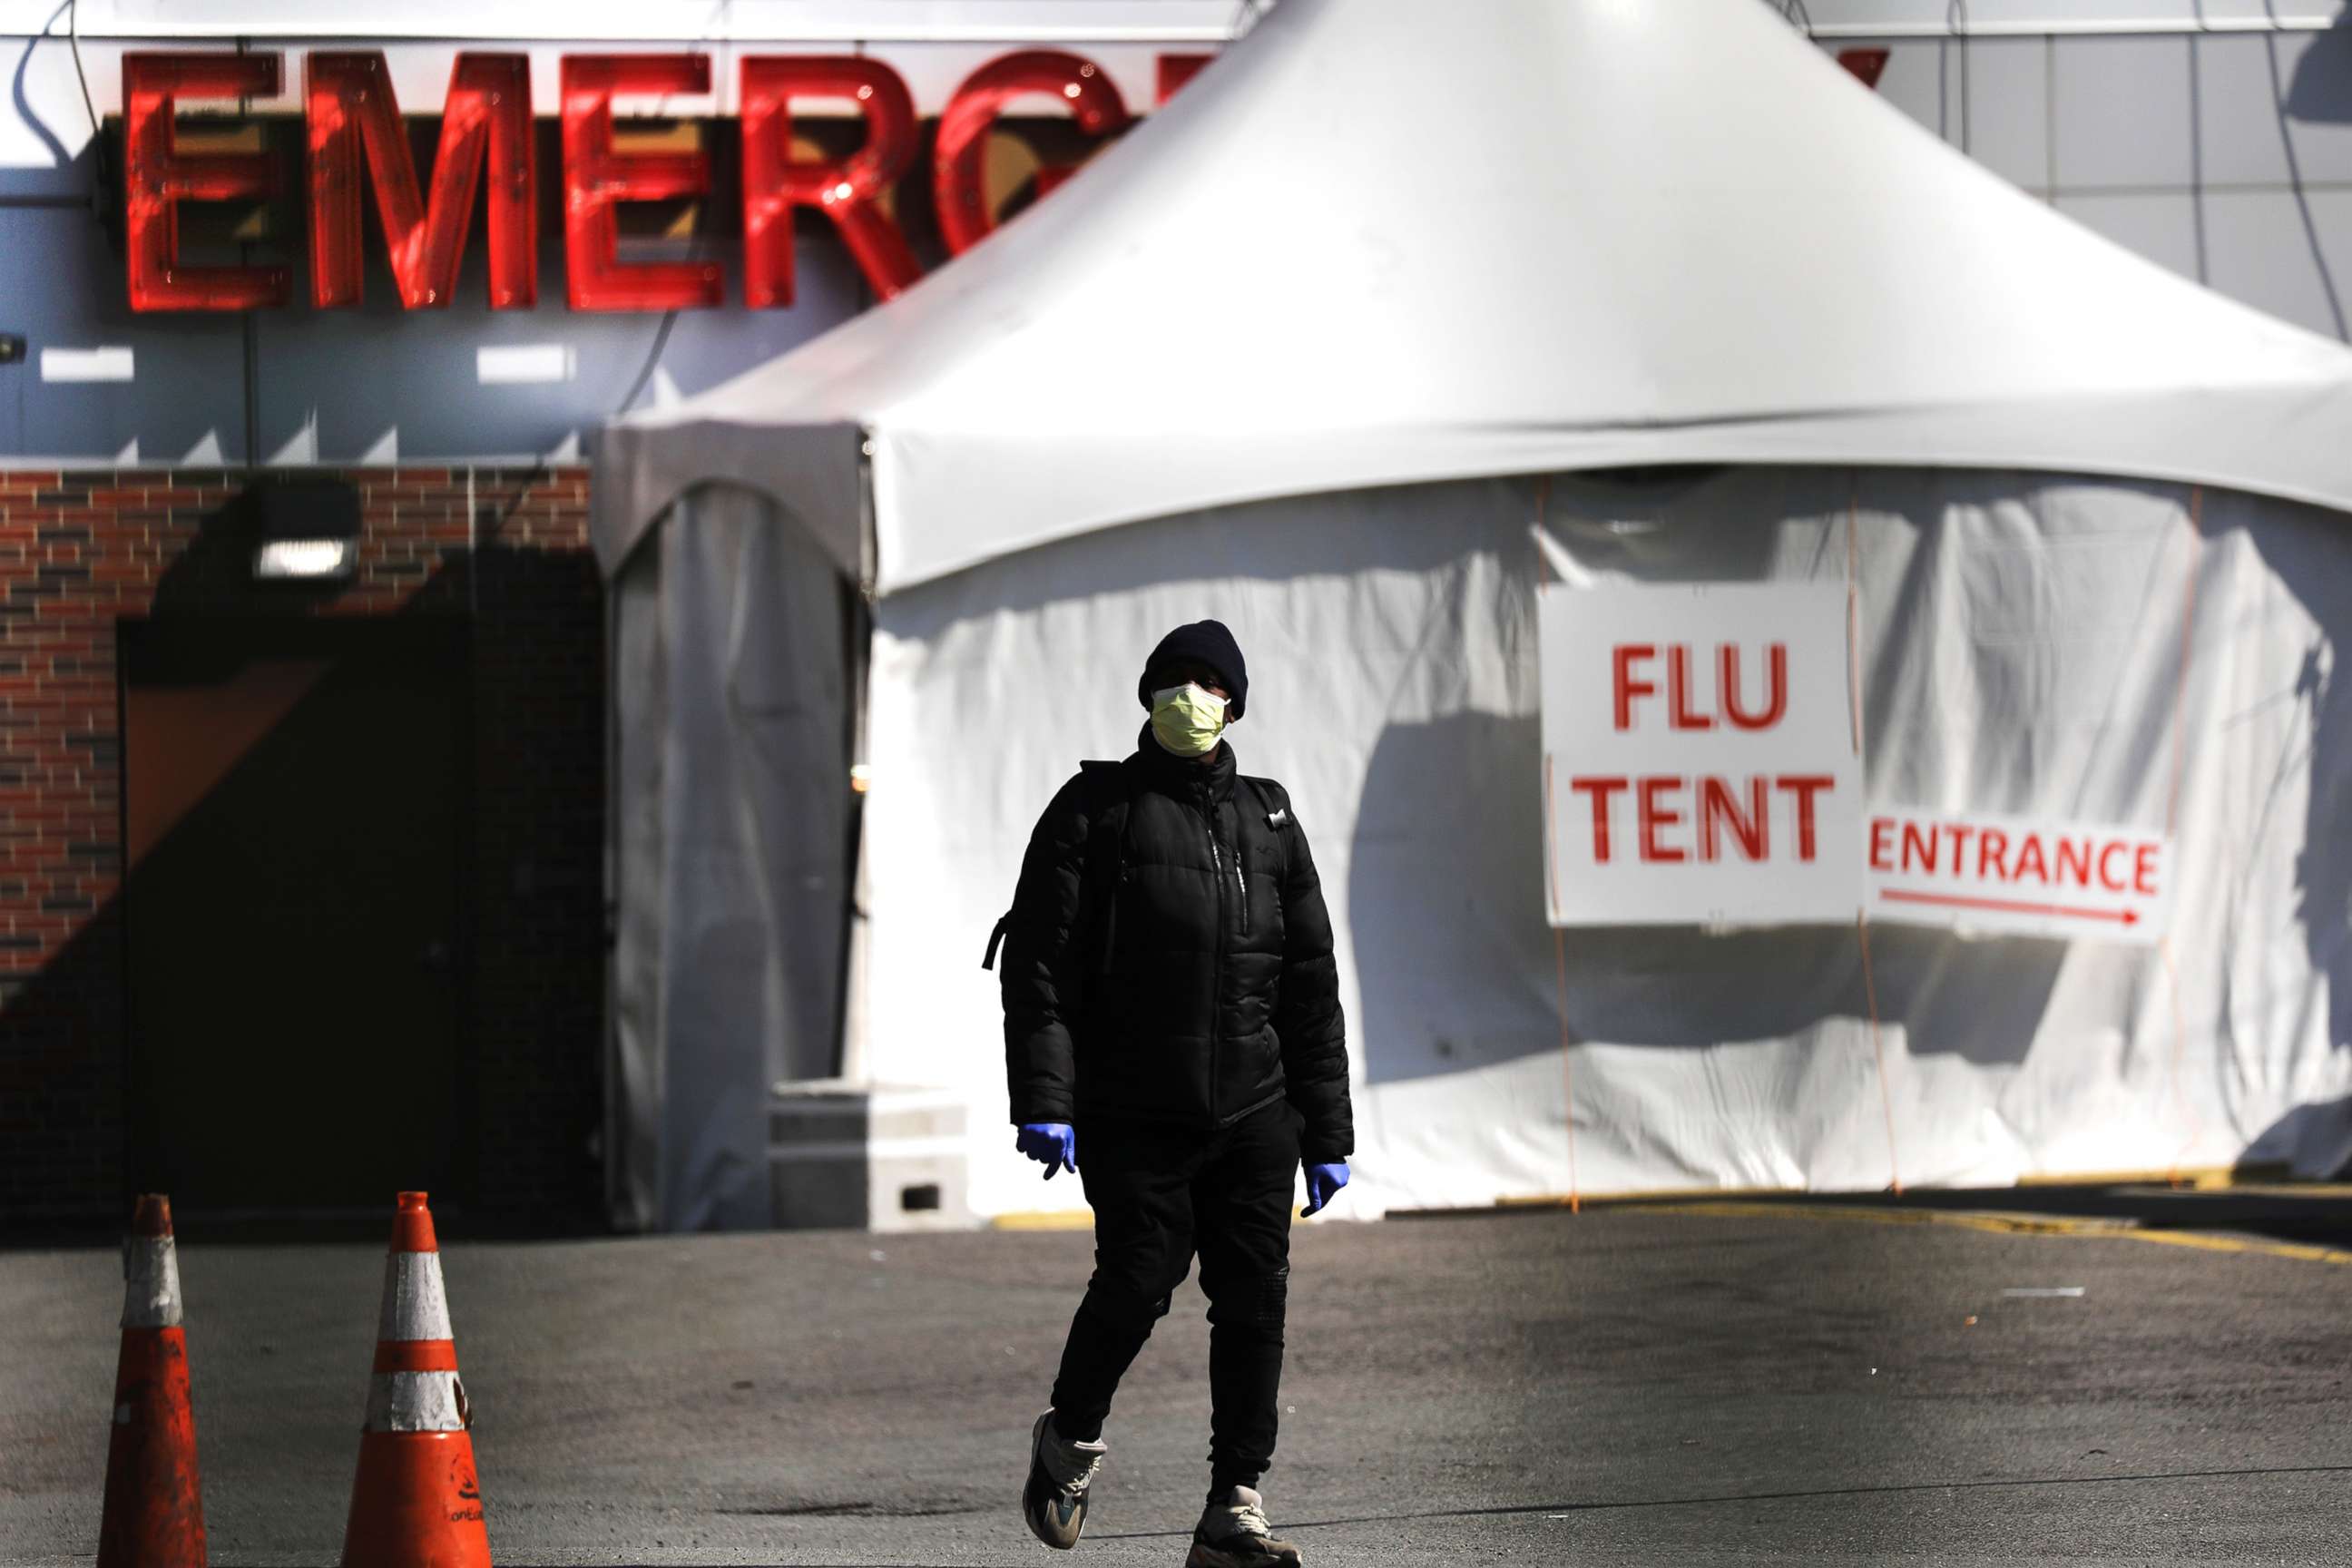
x=1699, y=761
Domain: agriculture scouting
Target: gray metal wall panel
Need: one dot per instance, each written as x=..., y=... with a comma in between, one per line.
x=2158, y=224
x=63, y=291
x=2282, y=253
x=2007, y=81
x=2122, y=115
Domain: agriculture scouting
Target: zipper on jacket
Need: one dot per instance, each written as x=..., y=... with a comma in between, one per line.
x=1217, y=990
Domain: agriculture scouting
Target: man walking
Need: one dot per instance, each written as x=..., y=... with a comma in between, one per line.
x=1173, y=1035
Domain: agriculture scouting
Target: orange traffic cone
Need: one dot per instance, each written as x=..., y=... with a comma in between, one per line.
x=416, y=1503
x=154, y=1503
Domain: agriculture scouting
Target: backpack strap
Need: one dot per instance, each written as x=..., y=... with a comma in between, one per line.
x=1108, y=796
x=1273, y=810
x=1105, y=800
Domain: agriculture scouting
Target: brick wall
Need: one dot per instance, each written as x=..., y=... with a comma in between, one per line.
x=507, y=550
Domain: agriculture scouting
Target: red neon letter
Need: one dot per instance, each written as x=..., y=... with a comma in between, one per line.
x=1620, y=662
x=157, y=178
x=1716, y=807
x=2144, y=870
x=1777, y=664
x=1678, y=713
x=1880, y=830
x=348, y=102
x=774, y=181
x=1600, y=790
x=1866, y=63
x=1655, y=816
x=1804, y=786
x=595, y=178
x=1170, y=72
x=956, y=160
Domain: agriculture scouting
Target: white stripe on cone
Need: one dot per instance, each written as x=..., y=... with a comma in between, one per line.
x=150, y=1271
x=414, y=1305
x=415, y=1402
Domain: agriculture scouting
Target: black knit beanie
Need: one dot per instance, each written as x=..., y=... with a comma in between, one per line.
x=1206, y=642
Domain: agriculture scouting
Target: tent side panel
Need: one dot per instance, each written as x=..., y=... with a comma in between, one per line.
x=2021, y=651
x=639, y=685
x=754, y=789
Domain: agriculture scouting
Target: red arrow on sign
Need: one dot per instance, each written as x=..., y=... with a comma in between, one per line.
x=2010, y=906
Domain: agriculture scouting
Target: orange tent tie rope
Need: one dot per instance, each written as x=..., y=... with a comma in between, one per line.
x=1862, y=919
x=1853, y=611
x=1566, y=1064
x=1877, y=1049
x=1560, y=965
x=2180, y=1107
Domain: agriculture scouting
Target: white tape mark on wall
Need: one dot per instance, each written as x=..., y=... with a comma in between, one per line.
x=86, y=365
x=514, y=365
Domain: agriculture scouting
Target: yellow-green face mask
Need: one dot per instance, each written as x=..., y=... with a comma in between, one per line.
x=1186, y=719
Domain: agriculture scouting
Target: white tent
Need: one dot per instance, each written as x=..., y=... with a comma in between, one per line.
x=1296, y=352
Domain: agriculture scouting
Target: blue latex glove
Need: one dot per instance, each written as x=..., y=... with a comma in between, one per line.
x=1054, y=1144
x=1323, y=1184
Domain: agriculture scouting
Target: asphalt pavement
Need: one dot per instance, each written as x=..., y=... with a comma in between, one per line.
x=1770, y=1384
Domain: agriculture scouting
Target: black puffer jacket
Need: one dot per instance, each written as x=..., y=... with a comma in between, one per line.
x=1167, y=955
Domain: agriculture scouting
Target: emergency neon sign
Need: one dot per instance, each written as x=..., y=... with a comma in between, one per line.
x=355, y=142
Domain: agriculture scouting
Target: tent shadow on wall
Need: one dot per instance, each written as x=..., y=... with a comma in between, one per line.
x=2320, y=89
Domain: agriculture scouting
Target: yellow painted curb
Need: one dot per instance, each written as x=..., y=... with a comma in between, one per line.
x=2012, y=1225
x=1045, y=1219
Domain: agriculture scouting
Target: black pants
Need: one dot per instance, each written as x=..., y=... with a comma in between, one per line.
x=1160, y=1195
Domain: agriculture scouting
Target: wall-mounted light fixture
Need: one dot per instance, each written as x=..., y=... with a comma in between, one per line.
x=305, y=530
x=305, y=557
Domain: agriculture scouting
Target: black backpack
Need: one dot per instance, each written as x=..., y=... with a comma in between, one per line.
x=1106, y=797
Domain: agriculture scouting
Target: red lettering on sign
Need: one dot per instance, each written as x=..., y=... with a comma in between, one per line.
x=1599, y=790
x=1993, y=853
x=1716, y=807
x=2107, y=878
x=1655, y=815
x=1678, y=711
x=2033, y=860
x=1626, y=688
x=1777, y=676
x=1918, y=847
x=1804, y=786
x=348, y=104
x=596, y=179
x=958, y=155
x=157, y=177
x=845, y=190
x=2144, y=870
x=1881, y=830
x=2075, y=853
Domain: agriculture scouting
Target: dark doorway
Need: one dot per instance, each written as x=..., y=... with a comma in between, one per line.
x=293, y=822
